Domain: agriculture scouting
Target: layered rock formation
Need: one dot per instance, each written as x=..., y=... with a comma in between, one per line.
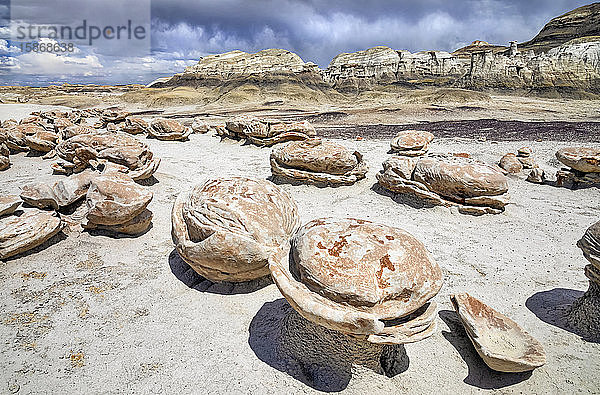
x=266, y=66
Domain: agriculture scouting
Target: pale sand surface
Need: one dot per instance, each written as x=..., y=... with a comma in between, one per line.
x=116, y=306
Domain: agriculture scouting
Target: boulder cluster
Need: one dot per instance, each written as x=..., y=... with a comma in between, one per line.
x=582, y=166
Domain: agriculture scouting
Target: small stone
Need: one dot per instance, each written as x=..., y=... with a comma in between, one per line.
x=536, y=176
x=511, y=164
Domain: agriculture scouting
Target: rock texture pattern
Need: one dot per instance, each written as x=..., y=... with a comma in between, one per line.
x=583, y=166
x=90, y=150
x=502, y=344
x=226, y=229
x=168, y=129
x=21, y=233
x=357, y=277
x=267, y=132
x=60, y=194
x=447, y=180
x=411, y=142
x=317, y=161
x=8, y=204
x=584, y=314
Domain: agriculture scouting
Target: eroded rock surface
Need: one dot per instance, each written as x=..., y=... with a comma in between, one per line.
x=447, y=180
x=60, y=194
x=511, y=163
x=318, y=161
x=267, y=132
x=21, y=233
x=168, y=129
x=584, y=314
x=89, y=150
x=357, y=277
x=411, y=142
x=582, y=159
x=8, y=204
x=227, y=228
x=502, y=344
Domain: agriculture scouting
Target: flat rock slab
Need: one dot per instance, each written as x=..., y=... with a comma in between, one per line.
x=9, y=204
x=60, y=194
x=21, y=233
x=502, y=344
x=583, y=159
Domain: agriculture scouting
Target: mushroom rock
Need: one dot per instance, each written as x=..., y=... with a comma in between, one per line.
x=318, y=161
x=474, y=187
x=368, y=280
x=227, y=228
x=134, y=125
x=502, y=344
x=411, y=142
x=268, y=132
x=582, y=159
x=79, y=151
x=115, y=202
x=168, y=129
x=60, y=194
x=511, y=164
x=584, y=314
x=20, y=233
x=9, y=204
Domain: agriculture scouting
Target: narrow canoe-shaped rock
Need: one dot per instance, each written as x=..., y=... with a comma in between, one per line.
x=502, y=344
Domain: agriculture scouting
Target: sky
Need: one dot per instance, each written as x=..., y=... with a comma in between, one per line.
x=177, y=33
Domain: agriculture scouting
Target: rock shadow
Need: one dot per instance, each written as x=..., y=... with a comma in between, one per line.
x=552, y=307
x=314, y=355
x=117, y=235
x=192, y=279
x=403, y=198
x=148, y=182
x=480, y=375
x=281, y=180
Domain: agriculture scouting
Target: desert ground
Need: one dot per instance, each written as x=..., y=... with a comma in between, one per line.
x=94, y=313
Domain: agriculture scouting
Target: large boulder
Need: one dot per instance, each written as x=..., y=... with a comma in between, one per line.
x=115, y=202
x=360, y=278
x=168, y=129
x=42, y=141
x=227, y=228
x=21, y=233
x=79, y=151
x=134, y=125
x=318, y=161
x=582, y=159
x=267, y=132
x=60, y=194
x=448, y=180
x=411, y=142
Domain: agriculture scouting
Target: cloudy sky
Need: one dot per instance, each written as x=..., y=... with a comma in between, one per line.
x=182, y=31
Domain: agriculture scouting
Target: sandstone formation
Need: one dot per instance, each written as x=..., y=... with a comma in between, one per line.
x=267, y=132
x=411, y=142
x=133, y=125
x=20, y=233
x=584, y=314
x=580, y=22
x=227, y=228
x=9, y=204
x=502, y=344
x=75, y=130
x=91, y=150
x=116, y=203
x=536, y=176
x=4, y=153
x=199, y=126
x=474, y=187
x=169, y=130
x=42, y=141
x=267, y=67
x=60, y=194
x=318, y=161
x=511, y=164
x=583, y=166
x=360, y=278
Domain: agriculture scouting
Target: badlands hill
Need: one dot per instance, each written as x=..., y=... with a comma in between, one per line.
x=563, y=60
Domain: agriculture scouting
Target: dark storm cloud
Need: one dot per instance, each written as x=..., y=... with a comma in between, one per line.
x=318, y=30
